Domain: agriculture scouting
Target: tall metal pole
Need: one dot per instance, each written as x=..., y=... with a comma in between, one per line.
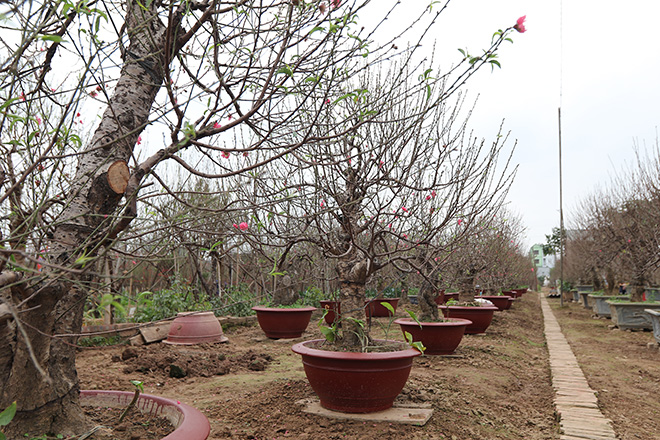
x=561, y=201
x=561, y=225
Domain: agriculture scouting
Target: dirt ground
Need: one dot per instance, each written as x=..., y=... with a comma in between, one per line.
x=620, y=366
x=496, y=386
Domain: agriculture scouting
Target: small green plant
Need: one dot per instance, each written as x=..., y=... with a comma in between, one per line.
x=139, y=388
x=96, y=308
x=332, y=333
x=386, y=328
x=101, y=341
x=311, y=296
x=7, y=416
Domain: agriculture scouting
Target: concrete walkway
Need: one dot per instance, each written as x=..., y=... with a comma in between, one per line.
x=576, y=403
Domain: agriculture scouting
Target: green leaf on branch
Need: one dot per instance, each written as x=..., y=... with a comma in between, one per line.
x=54, y=38
x=286, y=70
x=139, y=385
x=8, y=414
x=388, y=306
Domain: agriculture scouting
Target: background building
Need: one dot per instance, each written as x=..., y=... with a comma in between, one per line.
x=542, y=263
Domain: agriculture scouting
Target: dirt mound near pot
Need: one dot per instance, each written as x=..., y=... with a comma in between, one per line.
x=204, y=360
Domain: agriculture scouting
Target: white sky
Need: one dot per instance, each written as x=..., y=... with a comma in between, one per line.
x=610, y=93
x=610, y=66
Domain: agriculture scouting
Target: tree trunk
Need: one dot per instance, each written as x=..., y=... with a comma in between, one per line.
x=48, y=403
x=611, y=282
x=352, y=274
x=596, y=280
x=637, y=288
x=426, y=300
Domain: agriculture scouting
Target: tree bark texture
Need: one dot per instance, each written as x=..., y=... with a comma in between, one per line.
x=49, y=404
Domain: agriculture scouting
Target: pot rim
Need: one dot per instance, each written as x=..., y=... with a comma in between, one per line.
x=193, y=426
x=468, y=307
x=279, y=310
x=452, y=322
x=302, y=349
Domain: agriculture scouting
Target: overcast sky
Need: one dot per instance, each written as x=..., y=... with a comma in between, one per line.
x=609, y=64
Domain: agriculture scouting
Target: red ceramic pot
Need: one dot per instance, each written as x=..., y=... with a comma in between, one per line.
x=283, y=323
x=437, y=337
x=355, y=382
x=499, y=301
x=334, y=310
x=190, y=328
x=376, y=309
x=189, y=422
x=442, y=299
x=481, y=317
x=509, y=303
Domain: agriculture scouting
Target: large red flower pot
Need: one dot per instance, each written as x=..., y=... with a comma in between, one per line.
x=509, y=303
x=283, y=323
x=481, y=317
x=443, y=298
x=355, y=382
x=437, y=337
x=334, y=310
x=373, y=307
x=190, y=328
x=189, y=422
x=499, y=301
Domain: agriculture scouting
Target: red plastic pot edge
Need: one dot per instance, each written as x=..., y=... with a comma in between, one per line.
x=193, y=426
x=277, y=309
x=449, y=322
x=302, y=349
x=468, y=307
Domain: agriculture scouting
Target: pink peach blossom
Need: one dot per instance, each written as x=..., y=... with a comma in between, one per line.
x=520, y=24
x=243, y=226
x=217, y=125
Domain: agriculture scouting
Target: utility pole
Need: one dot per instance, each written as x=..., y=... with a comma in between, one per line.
x=561, y=225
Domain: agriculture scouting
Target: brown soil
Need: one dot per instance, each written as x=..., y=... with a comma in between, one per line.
x=623, y=367
x=134, y=426
x=496, y=386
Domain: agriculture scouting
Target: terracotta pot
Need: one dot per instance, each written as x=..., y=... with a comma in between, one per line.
x=334, y=310
x=189, y=423
x=442, y=299
x=376, y=309
x=437, y=337
x=283, y=323
x=499, y=301
x=190, y=328
x=481, y=317
x=355, y=382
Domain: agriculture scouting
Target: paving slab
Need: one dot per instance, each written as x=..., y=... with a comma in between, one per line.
x=408, y=415
x=575, y=402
